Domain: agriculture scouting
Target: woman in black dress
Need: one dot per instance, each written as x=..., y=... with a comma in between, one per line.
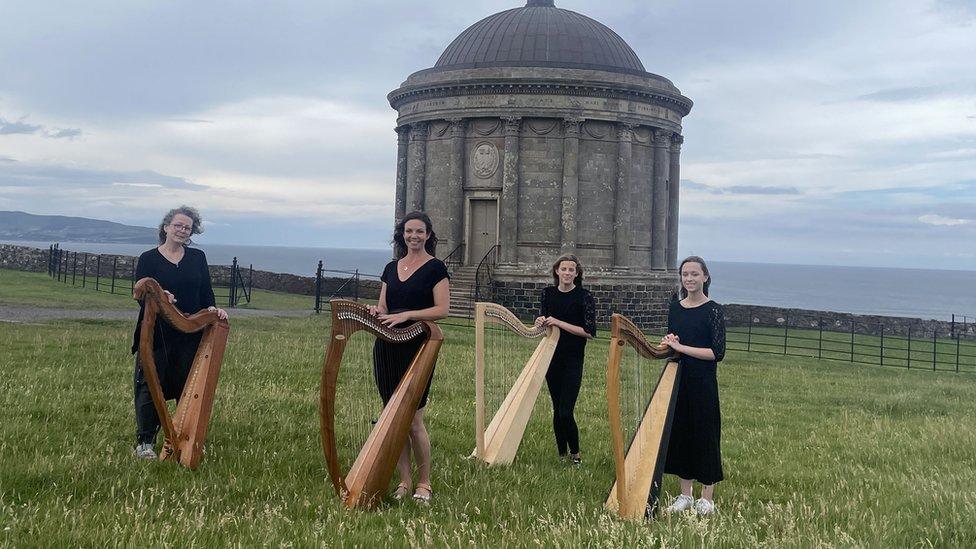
x=185, y=278
x=415, y=287
x=569, y=307
x=696, y=330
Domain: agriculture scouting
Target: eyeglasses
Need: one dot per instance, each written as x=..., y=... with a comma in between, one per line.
x=181, y=227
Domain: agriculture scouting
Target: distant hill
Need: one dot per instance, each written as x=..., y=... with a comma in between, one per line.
x=60, y=228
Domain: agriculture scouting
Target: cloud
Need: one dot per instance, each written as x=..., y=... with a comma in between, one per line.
x=901, y=94
x=740, y=189
x=61, y=133
x=67, y=178
x=941, y=220
x=19, y=127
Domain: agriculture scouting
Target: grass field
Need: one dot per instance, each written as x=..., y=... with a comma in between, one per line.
x=816, y=453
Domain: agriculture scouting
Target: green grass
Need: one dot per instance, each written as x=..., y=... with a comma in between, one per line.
x=816, y=453
x=22, y=289
x=893, y=351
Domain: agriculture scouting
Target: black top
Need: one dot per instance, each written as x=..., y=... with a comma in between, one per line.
x=188, y=280
x=575, y=307
x=702, y=326
x=416, y=292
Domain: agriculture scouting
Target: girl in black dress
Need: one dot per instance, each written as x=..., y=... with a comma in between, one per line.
x=185, y=278
x=415, y=287
x=569, y=307
x=696, y=329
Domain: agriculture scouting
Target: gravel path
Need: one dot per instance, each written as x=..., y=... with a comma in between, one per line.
x=34, y=314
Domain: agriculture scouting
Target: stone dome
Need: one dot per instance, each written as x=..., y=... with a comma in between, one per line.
x=540, y=35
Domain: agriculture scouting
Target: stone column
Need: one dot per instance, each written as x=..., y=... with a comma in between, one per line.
x=570, y=195
x=417, y=171
x=673, y=184
x=508, y=209
x=455, y=217
x=659, y=191
x=621, y=208
x=400, y=203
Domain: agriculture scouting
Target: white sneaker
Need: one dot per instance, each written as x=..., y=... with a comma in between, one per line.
x=681, y=503
x=704, y=507
x=145, y=451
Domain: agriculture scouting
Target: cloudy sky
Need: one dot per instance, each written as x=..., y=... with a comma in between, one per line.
x=830, y=132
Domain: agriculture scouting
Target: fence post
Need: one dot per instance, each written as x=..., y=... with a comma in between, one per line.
x=853, y=325
x=356, y=288
x=232, y=293
x=115, y=266
x=952, y=326
x=132, y=277
x=786, y=333
x=935, y=344
x=74, y=269
x=909, y=347
x=820, y=337
x=881, y=351
x=957, y=352
x=84, y=269
x=50, y=257
x=318, y=288
x=98, y=270
x=62, y=265
x=749, y=333
x=250, y=281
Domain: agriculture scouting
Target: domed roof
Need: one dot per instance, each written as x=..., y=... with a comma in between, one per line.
x=540, y=35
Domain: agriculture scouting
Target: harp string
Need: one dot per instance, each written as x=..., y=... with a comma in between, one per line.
x=358, y=404
x=637, y=382
x=506, y=353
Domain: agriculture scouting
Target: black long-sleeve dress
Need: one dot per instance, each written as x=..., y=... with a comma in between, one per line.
x=694, y=449
x=173, y=351
x=391, y=360
x=565, y=374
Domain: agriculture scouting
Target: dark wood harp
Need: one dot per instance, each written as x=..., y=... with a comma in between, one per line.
x=639, y=465
x=186, y=429
x=364, y=484
x=499, y=441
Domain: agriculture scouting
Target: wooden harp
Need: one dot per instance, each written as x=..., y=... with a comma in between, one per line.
x=508, y=344
x=641, y=407
x=368, y=478
x=186, y=429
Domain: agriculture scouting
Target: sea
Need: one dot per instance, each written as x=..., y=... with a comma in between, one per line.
x=918, y=293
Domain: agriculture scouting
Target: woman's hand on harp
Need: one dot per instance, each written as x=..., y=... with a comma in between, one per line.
x=375, y=310
x=394, y=319
x=540, y=321
x=671, y=340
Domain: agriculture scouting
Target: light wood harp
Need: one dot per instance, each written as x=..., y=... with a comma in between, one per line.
x=186, y=429
x=368, y=478
x=641, y=407
x=499, y=441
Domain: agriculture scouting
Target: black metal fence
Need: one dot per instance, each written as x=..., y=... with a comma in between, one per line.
x=116, y=274
x=333, y=284
x=857, y=342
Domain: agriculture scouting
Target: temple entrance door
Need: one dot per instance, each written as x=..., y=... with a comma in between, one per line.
x=483, y=230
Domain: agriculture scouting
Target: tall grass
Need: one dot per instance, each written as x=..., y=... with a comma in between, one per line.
x=816, y=454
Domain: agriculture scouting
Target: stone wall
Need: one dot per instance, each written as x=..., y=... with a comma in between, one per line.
x=23, y=258
x=645, y=304
x=757, y=315
x=79, y=265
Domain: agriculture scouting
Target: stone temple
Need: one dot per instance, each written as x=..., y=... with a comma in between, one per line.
x=537, y=132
